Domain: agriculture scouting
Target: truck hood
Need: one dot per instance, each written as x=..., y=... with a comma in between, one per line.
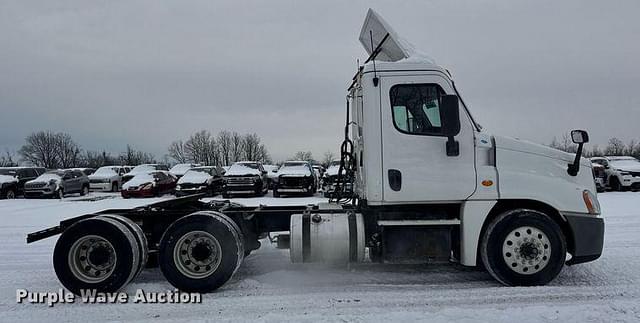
x=7, y=179
x=524, y=146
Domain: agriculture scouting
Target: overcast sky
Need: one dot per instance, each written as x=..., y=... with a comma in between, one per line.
x=149, y=72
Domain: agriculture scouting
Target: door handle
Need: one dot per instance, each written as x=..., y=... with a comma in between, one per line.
x=395, y=179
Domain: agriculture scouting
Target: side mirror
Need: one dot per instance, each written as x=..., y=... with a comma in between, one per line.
x=450, y=115
x=450, y=122
x=579, y=137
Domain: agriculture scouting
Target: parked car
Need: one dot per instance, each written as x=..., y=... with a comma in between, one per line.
x=622, y=172
x=247, y=177
x=179, y=169
x=107, y=178
x=330, y=179
x=144, y=168
x=272, y=173
x=57, y=184
x=599, y=177
x=295, y=177
x=203, y=179
x=12, y=180
x=320, y=170
x=154, y=183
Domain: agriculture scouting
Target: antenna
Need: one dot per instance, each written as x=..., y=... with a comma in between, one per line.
x=375, y=74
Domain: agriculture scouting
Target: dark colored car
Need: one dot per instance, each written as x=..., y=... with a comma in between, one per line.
x=12, y=180
x=245, y=178
x=295, y=177
x=144, y=168
x=203, y=179
x=330, y=179
x=155, y=183
x=57, y=184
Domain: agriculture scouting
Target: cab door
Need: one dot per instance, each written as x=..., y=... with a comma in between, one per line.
x=416, y=166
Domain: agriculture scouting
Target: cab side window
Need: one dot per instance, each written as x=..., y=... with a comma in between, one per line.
x=416, y=108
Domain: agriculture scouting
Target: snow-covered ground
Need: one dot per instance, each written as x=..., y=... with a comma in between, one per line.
x=268, y=287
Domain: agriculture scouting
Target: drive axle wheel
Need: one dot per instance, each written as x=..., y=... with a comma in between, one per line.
x=523, y=248
x=200, y=252
x=96, y=253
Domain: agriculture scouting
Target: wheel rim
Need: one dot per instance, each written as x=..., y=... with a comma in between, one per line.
x=11, y=195
x=526, y=250
x=92, y=259
x=197, y=254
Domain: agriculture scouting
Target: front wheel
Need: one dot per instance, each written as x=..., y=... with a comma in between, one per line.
x=615, y=184
x=523, y=247
x=10, y=194
x=59, y=193
x=84, y=191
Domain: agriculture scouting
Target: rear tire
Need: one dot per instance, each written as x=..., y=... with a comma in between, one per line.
x=96, y=253
x=114, y=187
x=59, y=194
x=523, y=248
x=276, y=193
x=201, y=252
x=141, y=240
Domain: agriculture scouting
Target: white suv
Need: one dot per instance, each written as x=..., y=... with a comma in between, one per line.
x=107, y=178
x=622, y=172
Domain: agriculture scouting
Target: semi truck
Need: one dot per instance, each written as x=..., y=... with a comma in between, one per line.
x=429, y=186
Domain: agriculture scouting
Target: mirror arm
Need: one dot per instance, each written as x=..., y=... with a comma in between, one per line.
x=575, y=166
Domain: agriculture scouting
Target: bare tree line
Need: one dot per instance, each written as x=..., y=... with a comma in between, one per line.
x=58, y=150
x=614, y=147
x=225, y=148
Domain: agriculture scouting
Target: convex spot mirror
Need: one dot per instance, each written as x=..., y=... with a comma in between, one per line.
x=449, y=115
x=579, y=136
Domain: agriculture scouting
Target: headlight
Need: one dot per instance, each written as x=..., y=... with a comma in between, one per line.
x=147, y=186
x=591, y=202
x=178, y=187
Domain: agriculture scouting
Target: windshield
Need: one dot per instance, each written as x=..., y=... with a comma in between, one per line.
x=106, y=171
x=143, y=168
x=294, y=168
x=244, y=169
x=250, y=165
x=7, y=171
x=198, y=171
x=625, y=163
x=181, y=168
x=55, y=175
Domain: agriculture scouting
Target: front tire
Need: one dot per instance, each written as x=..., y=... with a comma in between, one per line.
x=201, y=252
x=114, y=187
x=84, y=191
x=615, y=184
x=96, y=253
x=59, y=194
x=10, y=194
x=523, y=247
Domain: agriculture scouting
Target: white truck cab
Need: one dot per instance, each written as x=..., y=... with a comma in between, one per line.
x=416, y=146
